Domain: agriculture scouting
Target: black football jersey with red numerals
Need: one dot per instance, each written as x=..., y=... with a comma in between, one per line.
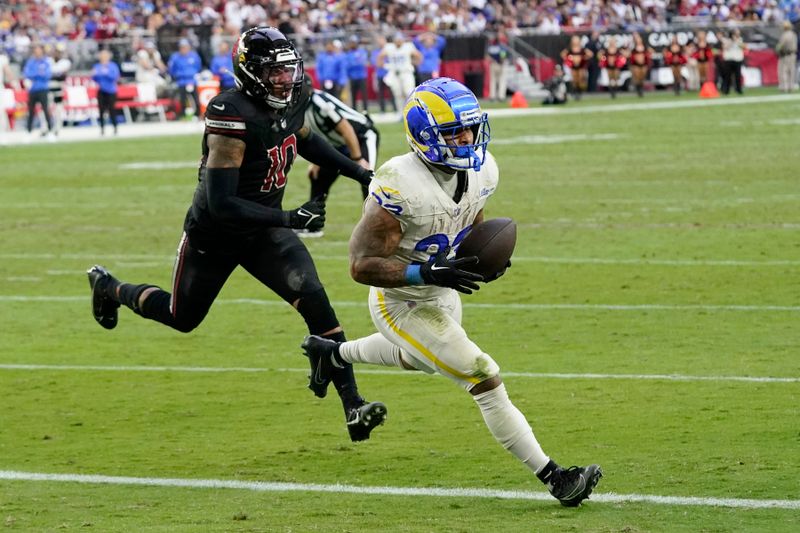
x=270, y=150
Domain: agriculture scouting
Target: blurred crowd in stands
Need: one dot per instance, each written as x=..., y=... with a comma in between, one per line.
x=342, y=39
x=48, y=21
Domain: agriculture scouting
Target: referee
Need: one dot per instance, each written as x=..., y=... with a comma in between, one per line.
x=347, y=130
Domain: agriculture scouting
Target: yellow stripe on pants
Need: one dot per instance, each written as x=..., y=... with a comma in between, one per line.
x=416, y=344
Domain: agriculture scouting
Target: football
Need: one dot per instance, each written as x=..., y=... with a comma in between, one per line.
x=492, y=242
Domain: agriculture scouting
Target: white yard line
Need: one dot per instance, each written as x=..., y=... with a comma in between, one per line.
x=589, y=223
x=267, y=486
x=158, y=165
x=518, y=306
x=382, y=372
x=556, y=138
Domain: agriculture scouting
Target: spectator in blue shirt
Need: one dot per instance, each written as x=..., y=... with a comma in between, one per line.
x=430, y=46
x=380, y=72
x=342, y=58
x=357, y=59
x=330, y=68
x=105, y=74
x=222, y=67
x=37, y=69
x=183, y=66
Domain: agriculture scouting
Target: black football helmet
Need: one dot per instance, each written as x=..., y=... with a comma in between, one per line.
x=266, y=66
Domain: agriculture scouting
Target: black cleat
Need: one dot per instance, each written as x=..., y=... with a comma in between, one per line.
x=575, y=484
x=319, y=351
x=362, y=420
x=104, y=308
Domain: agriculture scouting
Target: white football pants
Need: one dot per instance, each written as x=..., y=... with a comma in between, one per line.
x=430, y=336
x=402, y=85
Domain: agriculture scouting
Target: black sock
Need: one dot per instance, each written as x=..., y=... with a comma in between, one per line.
x=337, y=357
x=548, y=470
x=343, y=378
x=128, y=295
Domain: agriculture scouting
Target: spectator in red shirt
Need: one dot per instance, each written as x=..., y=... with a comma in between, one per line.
x=107, y=26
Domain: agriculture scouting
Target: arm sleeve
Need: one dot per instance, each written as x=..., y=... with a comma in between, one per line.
x=323, y=154
x=223, y=204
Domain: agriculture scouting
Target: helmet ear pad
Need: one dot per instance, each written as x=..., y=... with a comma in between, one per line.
x=422, y=136
x=436, y=111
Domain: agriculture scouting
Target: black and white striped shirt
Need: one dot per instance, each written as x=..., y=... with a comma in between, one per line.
x=325, y=111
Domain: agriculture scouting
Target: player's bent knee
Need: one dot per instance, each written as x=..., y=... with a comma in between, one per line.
x=317, y=312
x=487, y=373
x=185, y=326
x=484, y=367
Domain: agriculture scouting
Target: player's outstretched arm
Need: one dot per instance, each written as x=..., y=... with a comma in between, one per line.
x=345, y=129
x=225, y=155
x=313, y=148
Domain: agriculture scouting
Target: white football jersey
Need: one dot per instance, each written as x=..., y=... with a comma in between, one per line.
x=397, y=59
x=430, y=219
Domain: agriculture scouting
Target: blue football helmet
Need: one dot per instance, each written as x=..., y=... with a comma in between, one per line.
x=442, y=107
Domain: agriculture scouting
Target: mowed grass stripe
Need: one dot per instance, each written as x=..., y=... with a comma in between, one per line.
x=522, y=307
x=328, y=257
x=267, y=486
x=532, y=375
x=640, y=106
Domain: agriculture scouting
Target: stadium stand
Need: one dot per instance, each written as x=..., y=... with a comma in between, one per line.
x=144, y=28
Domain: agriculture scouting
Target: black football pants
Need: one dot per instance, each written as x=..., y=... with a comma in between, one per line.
x=106, y=103
x=39, y=97
x=277, y=258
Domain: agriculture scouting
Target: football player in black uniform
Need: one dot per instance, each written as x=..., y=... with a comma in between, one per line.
x=252, y=136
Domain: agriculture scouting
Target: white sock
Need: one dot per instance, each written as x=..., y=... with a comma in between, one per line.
x=374, y=350
x=509, y=426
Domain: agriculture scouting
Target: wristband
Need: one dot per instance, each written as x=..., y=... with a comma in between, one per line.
x=359, y=158
x=413, y=275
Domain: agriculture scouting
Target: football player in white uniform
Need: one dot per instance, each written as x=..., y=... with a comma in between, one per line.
x=423, y=203
x=399, y=58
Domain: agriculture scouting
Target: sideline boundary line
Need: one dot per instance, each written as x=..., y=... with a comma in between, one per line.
x=520, y=306
x=179, y=128
x=268, y=486
x=532, y=375
x=637, y=106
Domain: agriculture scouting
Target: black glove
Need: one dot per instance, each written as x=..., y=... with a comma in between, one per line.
x=310, y=216
x=502, y=271
x=447, y=272
x=364, y=176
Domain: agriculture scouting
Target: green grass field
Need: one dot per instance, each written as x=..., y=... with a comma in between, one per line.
x=657, y=264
